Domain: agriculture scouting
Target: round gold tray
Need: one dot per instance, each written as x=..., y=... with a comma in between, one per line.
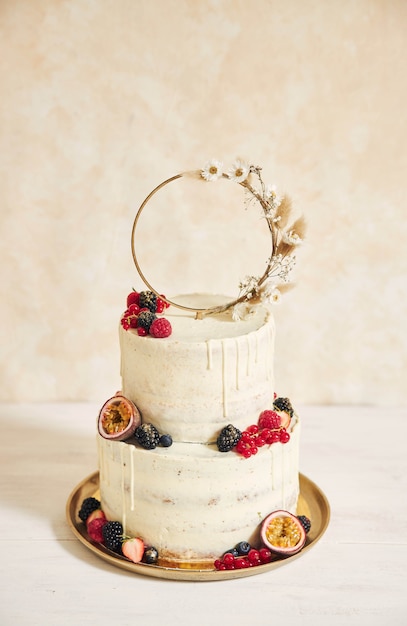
x=312, y=502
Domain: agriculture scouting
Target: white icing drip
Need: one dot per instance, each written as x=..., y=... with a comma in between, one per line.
x=224, y=379
x=209, y=352
x=132, y=477
x=123, y=491
x=249, y=352
x=238, y=359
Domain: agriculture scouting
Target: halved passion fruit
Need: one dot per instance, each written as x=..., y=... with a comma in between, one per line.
x=118, y=418
x=283, y=533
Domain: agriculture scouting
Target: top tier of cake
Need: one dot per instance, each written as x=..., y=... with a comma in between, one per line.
x=210, y=372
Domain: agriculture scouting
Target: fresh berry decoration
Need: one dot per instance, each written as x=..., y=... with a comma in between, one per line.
x=88, y=506
x=148, y=300
x=165, y=441
x=147, y=436
x=242, y=556
x=141, y=313
x=113, y=536
x=243, y=548
x=269, y=419
x=145, y=319
x=228, y=438
x=283, y=404
x=150, y=555
x=160, y=328
x=95, y=529
x=133, y=549
x=133, y=298
x=306, y=522
x=97, y=514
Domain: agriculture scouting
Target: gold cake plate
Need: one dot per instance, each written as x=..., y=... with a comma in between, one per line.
x=312, y=503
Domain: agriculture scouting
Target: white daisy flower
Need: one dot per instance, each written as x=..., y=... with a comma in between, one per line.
x=270, y=191
x=239, y=312
x=292, y=238
x=239, y=171
x=212, y=170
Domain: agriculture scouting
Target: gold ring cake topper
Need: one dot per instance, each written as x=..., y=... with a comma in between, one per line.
x=285, y=234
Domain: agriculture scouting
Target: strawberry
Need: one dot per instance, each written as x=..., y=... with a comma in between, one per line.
x=95, y=529
x=161, y=327
x=133, y=549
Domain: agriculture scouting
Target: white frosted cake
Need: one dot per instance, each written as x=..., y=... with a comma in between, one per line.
x=191, y=501
x=197, y=453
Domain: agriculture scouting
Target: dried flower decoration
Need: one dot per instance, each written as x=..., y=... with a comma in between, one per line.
x=286, y=236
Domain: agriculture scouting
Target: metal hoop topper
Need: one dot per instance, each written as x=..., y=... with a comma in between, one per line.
x=284, y=238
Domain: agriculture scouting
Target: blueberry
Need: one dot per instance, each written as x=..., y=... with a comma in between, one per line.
x=232, y=551
x=165, y=441
x=243, y=548
x=150, y=555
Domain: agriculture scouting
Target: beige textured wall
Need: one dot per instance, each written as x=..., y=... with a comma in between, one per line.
x=103, y=99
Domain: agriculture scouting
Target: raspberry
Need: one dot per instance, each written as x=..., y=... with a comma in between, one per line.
x=269, y=419
x=306, y=522
x=95, y=529
x=147, y=436
x=160, y=328
x=112, y=536
x=88, y=506
x=228, y=437
x=284, y=404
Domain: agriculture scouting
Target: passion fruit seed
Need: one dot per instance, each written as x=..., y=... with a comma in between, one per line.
x=116, y=417
x=283, y=532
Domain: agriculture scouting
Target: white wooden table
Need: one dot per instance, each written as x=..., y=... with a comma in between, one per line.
x=356, y=573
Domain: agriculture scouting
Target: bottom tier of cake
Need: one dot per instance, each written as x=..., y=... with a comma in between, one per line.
x=192, y=502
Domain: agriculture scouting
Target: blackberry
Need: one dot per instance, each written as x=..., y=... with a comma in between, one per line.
x=228, y=438
x=145, y=319
x=305, y=522
x=88, y=506
x=147, y=436
x=284, y=404
x=113, y=536
x=150, y=555
x=148, y=300
x=165, y=441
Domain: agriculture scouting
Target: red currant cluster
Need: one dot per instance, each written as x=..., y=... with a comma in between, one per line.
x=254, y=557
x=268, y=430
